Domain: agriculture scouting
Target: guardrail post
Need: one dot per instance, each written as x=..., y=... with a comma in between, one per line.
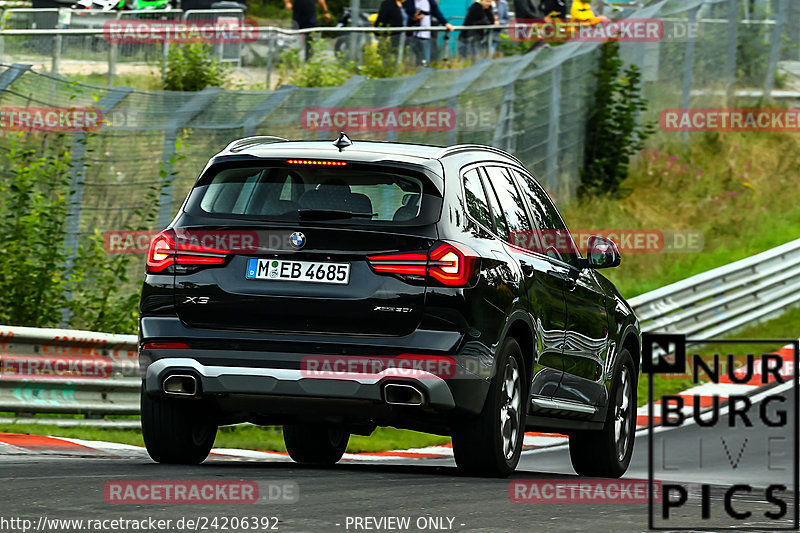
x=553, y=130
x=183, y=115
x=688, y=69
x=733, y=40
x=775, y=48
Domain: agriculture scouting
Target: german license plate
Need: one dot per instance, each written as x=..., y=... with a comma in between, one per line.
x=310, y=271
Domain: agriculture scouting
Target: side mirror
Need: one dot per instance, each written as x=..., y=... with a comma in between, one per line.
x=602, y=253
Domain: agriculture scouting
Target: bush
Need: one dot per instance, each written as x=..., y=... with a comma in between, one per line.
x=380, y=60
x=42, y=283
x=192, y=67
x=321, y=70
x=613, y=133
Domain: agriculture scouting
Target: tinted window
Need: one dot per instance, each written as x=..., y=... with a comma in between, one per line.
x=279, y=193
x=546, y=218
x=512, y=205
x=497, y=212
x=477, y=205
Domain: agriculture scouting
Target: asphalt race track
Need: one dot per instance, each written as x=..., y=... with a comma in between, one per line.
x=72, y=486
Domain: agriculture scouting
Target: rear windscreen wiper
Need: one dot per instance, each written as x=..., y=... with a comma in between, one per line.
x=322, y=214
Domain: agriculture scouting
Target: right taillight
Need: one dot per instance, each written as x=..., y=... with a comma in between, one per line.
x=166, y=250
x=449, y=263
x=452, y=264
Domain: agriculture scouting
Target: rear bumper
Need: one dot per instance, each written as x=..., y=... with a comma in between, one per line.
x=214, y=380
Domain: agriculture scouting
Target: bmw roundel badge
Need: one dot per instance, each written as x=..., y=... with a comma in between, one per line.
x=297, y=239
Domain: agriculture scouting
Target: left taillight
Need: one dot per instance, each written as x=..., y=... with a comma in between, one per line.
x=166, y=250
x=449, y=263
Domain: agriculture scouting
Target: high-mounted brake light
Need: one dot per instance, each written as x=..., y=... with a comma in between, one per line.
x=313, y=162
x=164, y=252
x=451, y=264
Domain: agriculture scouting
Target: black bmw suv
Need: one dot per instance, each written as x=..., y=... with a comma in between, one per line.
x=334, y=287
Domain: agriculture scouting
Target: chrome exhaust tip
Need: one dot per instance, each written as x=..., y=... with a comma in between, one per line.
x=398, y=394
x=180, y=385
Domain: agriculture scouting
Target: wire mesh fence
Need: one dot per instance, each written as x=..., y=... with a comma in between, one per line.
x=534, y=105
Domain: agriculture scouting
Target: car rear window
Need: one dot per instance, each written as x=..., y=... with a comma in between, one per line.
x=286, y=193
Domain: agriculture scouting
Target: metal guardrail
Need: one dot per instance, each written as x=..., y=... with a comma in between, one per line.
x=702, y=306
x=726, y=298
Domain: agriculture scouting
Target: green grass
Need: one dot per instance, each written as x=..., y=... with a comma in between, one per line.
x=135, y=81
x=243, y=437
x=785, y=326
x=737, y=189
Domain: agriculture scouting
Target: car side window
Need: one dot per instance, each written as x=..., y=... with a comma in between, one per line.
x=501, y=226
x=477, y=204
x=554, y=236
x=512, y=205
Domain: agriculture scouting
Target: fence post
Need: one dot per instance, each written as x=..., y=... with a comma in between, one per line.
x=401, y=48
x=112, y=62
x=269, y=61
x=730, y=60
x=355, y=15
x=272, y=101
x=56, y=55
x=340, y=95
x=459, y=87
x=775, y=49
x=11, y=74
x=198, y=103
x=688, y=69
x=72, y=224
x=504, y=131
x=553, y=129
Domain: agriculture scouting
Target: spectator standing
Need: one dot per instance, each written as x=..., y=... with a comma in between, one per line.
x=478, y=14
x=501, y=15
x=392, y=15
x=420, y=13
x=304, y=15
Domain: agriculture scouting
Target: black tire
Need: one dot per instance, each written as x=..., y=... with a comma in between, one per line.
x=491, y=444
x=316, y=444
x=175, y=431
x=602, y=453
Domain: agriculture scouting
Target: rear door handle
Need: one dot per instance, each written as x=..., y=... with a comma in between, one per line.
x=570, y=283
